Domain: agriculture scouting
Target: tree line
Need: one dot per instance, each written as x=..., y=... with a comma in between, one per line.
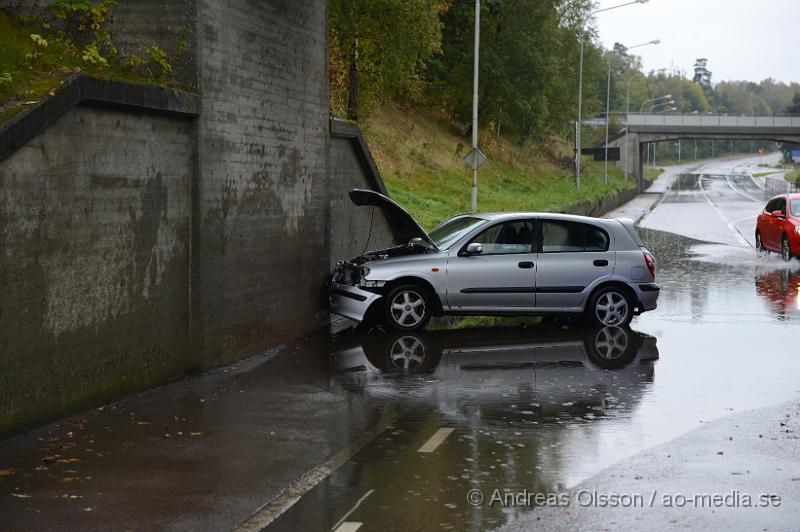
x=420, y=53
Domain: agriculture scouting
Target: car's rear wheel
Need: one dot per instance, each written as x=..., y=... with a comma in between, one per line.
x=407, y=308
x=786, y=250
x=611, y=306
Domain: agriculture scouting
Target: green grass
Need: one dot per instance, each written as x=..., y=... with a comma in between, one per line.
x=420, y=159
x=763, y=174
x=793, y=176
x=650, y=174
x=24, y=80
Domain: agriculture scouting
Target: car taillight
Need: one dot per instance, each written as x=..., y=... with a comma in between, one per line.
x=651, y=264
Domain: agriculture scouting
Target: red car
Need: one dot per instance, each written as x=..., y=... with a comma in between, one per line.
x=778, y=227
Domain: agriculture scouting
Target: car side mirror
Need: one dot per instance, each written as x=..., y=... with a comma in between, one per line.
x=416, y=241
x=474, y=249
x=777, y=214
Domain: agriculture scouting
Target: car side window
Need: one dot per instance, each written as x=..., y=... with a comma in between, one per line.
x=560, y=236
x=596, y=239
x=780, y=205
x=771, y=207
x=507, y=238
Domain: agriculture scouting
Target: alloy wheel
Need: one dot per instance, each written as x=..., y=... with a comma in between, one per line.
x=408, y=308
x=612, y=308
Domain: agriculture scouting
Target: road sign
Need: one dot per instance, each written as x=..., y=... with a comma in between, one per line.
x=599, y=154
x=481, y=158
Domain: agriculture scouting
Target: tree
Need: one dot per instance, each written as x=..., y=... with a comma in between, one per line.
x=702, y=75
x=794, y=108
x=378, y=50
x=528, y=64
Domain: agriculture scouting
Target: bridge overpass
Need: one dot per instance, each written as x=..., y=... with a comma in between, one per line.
x=642, y=129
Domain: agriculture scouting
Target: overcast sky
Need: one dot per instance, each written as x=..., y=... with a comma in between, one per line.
x=742, y=39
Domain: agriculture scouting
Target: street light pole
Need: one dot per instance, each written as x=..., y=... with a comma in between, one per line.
x=628, y=107
x=474, y=194
x=665, y=97
x=580, y=87
x=608, y=109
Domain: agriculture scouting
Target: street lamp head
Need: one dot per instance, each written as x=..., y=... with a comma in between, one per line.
x=657, y=41
x=642, y=1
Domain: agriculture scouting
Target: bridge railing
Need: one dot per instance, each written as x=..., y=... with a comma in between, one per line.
x=697, y=120
x=779, y=185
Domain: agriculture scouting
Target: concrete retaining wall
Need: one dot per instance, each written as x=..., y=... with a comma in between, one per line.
x=94, y=248
x=262, y=248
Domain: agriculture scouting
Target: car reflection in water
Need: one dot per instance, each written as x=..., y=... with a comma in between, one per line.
x=781, y=291
x=535, y=373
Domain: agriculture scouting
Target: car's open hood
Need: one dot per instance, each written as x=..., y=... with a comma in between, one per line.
x=404, y=225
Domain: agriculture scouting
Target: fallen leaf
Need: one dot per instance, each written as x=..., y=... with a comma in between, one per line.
x=21, y=495
x=7, y=472
x=196, y=433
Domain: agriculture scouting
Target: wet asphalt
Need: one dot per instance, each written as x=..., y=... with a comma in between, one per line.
x=373, y=431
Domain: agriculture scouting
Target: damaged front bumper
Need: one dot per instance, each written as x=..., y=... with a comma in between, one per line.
x=350, y=301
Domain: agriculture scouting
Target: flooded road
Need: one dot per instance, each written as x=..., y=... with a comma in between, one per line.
x=416, y=423
x=537, y=408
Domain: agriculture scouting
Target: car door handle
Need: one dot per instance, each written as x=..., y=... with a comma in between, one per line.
x=526, y=265
x=600, y=262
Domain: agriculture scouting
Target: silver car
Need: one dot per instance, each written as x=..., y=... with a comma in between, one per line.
x=511, y=263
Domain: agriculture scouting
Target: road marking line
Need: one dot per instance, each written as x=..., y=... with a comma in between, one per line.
x=270, y=511
x=736, y=189
x=436, y=440
x=349, y=526
x=742, y=240
x=338, y=526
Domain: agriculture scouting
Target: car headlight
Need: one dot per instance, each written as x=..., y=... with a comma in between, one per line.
x=364, y=271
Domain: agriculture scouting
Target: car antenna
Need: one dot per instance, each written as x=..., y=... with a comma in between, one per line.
x=369, y=235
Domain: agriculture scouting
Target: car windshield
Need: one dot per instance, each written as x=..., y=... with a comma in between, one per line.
x=451, y=231
x=795, y=207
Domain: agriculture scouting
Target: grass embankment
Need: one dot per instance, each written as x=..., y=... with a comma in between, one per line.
x=421, y=160
x=30, y=71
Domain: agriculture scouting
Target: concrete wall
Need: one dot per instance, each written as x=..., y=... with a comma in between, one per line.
x=135, y=247
x=263, y=256
x=94, y=248
x=350, y=233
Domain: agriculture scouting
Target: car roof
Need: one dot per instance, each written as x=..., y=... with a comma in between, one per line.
x=791, y=196
x=499, y=216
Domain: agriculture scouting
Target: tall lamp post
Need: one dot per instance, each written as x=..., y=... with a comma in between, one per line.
x=474, y=194
x=628, y=105
x=667, y=110
x=580, y=87
x=650, y=101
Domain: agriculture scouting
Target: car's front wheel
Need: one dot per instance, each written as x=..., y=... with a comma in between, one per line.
x=407, y=308
x=786, y=250
x=759, y=243
x=611, y=306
